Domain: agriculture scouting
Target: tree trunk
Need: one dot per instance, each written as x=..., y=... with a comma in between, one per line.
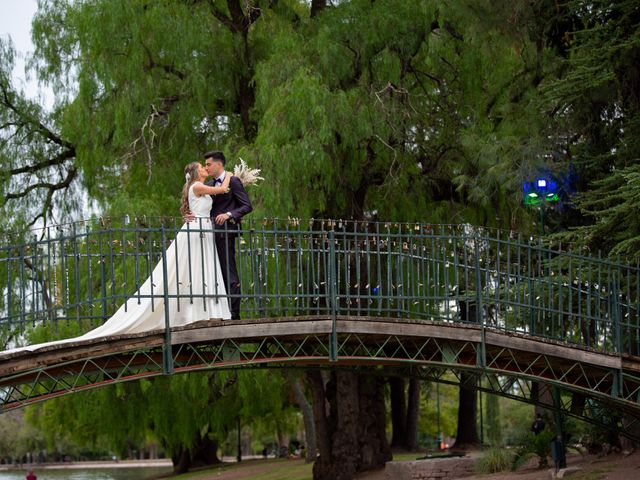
x=317, y=6
x=350, y=418
x=307, y=417
x=494, y=431
x=398, y=411
x=203, y=453
x=578, y=402
x=413, y=415
x=467, y=412
x=181, y=461
x=542, y=394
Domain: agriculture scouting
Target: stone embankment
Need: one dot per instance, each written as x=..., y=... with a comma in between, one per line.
x=431, y=469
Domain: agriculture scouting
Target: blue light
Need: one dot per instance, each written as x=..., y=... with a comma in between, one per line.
x=539, y=191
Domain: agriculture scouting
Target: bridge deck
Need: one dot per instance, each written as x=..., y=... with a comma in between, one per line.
x=249, y=330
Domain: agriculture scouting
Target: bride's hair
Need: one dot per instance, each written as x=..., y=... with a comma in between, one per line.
x=191, y=175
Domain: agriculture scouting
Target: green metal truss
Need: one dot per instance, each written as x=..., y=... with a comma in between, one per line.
x=363, y=342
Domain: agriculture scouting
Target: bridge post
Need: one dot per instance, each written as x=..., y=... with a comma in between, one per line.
x=167, y=357
x=618, y=385
x=482, y=354
x=530, y=284
x=615, y=313
x=331, y=284
x=103, y=274
x=557, y=411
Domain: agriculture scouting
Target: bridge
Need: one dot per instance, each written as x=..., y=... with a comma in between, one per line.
x=447, y=303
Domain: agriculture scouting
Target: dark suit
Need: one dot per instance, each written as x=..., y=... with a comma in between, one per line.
x=238, y=204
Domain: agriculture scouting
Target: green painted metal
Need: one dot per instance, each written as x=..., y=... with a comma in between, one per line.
x=167, y=362
x=78, y=274
x=81, y=272
x=302, y=341
x=333, y=295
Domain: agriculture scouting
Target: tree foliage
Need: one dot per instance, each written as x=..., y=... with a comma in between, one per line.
x=175, y=412
x=422, y=98
x=37, y=173
x=597, y=108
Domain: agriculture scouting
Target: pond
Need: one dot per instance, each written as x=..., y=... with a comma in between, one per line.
x=124, y=473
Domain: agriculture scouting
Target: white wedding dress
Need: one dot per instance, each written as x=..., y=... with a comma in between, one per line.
x=195, y=276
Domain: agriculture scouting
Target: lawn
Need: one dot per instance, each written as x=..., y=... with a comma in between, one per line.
x=271, y=469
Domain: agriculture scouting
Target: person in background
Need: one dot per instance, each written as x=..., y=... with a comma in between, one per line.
x=538, y=425
x=31, y=476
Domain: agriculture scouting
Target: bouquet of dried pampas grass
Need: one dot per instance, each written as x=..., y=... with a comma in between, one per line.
x=246, y=174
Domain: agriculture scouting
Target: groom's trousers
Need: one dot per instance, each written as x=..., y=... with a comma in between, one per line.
x=226, y=247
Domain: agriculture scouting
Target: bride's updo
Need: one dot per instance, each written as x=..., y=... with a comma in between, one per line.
x=191, y=175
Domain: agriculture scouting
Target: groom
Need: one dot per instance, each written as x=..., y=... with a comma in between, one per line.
x=226, y=212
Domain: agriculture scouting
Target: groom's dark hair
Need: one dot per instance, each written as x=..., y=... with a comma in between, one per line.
x=219, y=156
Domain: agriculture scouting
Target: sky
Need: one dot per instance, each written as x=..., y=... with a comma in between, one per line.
x=15, y=22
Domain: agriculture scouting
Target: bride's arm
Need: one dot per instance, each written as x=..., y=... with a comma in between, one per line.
x=202, y=189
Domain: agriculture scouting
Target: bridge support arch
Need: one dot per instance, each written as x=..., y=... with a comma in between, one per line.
x=427, y=350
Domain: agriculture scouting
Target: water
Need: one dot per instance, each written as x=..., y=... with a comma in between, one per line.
x=139, y=473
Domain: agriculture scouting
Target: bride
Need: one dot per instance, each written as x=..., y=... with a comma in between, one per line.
x=195, y=286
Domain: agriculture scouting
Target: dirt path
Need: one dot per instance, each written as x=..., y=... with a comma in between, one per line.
x=610, y=467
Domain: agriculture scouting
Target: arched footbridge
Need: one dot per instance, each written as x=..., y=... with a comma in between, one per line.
x=431, y=301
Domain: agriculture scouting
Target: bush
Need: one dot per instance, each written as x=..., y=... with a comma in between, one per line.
x=495, y=460
x=534, y=446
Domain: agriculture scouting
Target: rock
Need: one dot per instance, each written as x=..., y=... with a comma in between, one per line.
x=567, y=472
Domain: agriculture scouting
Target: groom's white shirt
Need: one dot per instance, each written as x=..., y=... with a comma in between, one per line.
x=221, y=177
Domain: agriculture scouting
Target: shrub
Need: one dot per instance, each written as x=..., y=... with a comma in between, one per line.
x=495, y=460
x=534, y=446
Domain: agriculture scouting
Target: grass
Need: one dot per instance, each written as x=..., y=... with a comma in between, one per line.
x=272, y=469
x=598, y=474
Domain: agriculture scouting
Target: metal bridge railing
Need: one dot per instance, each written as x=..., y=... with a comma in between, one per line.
x=67, y=279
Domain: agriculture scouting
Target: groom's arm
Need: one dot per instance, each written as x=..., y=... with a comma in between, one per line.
x=242, y=203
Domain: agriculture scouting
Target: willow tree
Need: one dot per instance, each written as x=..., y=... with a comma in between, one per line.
x=37, y=173
x=149, y=87
x=189, y=415
x=404, y=111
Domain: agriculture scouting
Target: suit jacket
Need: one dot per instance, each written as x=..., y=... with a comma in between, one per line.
x=236, y=202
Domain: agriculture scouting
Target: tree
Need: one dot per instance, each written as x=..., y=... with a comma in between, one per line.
x=597, y=107
x=349, y=412
x=405, y=413
x=38, y=176
x=152, y=88
x=17, y=439
x=398, y=411
x=467, y=412
x=311, y=450
x=359, y=116
x=154, y=409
